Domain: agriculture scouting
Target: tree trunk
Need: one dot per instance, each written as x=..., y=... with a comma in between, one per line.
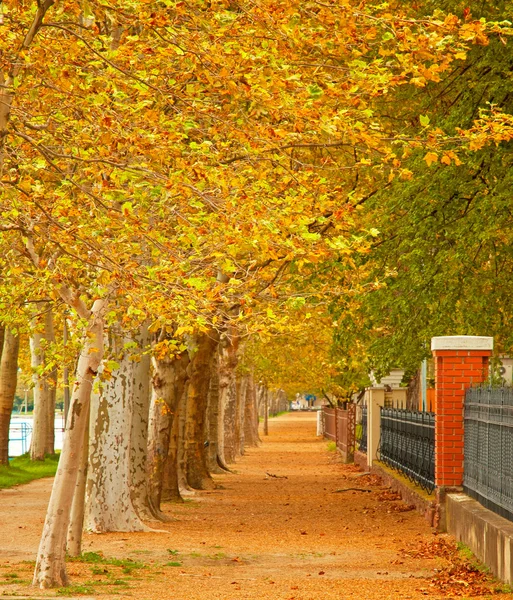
x=168, y=383
x=181, y=455
x=198, y=476
x=251, y=438
x=43, y=431
x=239, y=415
x=265, y=403
x=50, y=568
x=273, y=402
x=256, y=424
x=109, y=502
x=227, y=400
x=213, y=418
x=8, y=378
x=230, y=417
x=284, y=403
x=65, y=371
x=171, y=480
x=76, y=524
x=139, y=431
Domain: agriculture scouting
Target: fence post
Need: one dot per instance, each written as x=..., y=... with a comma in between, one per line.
x=336, y=427
x=460, y=361
x=376, y=401
x=351, y=432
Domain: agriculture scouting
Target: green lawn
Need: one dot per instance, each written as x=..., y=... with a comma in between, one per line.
x=22, y=470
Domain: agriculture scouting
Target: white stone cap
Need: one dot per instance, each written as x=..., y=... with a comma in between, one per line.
x=462, y=342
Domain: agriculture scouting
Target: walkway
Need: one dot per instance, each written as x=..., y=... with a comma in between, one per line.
x=276, y=530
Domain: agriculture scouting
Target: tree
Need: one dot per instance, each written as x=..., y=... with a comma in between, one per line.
x=8, y=374
x=197, y=473
x=168, y=386
x=243, y=143
x=50, y=566
x=441, y=262
x=109, y=499
x=45, y=385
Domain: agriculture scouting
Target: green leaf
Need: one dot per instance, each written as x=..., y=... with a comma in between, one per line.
x=112, y=365
x=315, y=91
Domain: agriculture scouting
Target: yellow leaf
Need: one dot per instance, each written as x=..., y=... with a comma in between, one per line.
x=430, y=158
x=446, y=159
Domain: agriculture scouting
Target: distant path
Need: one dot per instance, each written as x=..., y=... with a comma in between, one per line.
x=260, y=537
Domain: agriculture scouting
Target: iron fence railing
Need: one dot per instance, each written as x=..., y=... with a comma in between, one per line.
x=488, y=466
x=19, y=433
x=362, y=441
x=407, y=443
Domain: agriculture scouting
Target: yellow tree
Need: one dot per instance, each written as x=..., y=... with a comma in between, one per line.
x=155, y=147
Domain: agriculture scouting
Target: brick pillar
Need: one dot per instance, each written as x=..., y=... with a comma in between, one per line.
x=460, y=362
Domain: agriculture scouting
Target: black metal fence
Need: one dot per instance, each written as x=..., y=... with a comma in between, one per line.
x=488, y=466
x=362, y=433
x=407, y=443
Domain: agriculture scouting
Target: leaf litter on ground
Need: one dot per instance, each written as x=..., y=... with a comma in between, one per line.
x=461, y=576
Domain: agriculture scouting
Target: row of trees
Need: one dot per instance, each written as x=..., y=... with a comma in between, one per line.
x=207, y=195
x=443, y=255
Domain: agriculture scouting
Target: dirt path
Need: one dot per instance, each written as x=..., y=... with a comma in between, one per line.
x=287, y=537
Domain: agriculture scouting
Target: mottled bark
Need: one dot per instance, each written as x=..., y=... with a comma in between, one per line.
x=197, y=473
x=273, y=402
x=181, y=458
x=283, y=403
x=43, y=432
x=170, y=482
x=227, y=398
x=50, y=568
x=109, y=504
x=168, y=383
x=213, y=419
x=251, y=438
x=265, y=404
x=256, y=423
x=241, y=385
x=76, y=525
x=230, y=416
x=8, y=378
x=139, y=430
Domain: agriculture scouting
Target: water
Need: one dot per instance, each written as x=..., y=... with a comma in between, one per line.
x=20, y=434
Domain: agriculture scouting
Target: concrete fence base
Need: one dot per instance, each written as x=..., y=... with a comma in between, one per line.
x=489, y=536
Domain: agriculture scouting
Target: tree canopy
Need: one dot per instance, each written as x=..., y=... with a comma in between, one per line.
x=211, y=162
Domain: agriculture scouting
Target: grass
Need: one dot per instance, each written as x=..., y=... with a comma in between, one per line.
x=96, y=558
x=22, y=470
x=332, y=446
x=466, y=554
x=8, y=578
x=278, y=414
x=273, y=416
x=74, y=590
x=111, y=578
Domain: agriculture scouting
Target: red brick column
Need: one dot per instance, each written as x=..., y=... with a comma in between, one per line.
x=460, y=362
